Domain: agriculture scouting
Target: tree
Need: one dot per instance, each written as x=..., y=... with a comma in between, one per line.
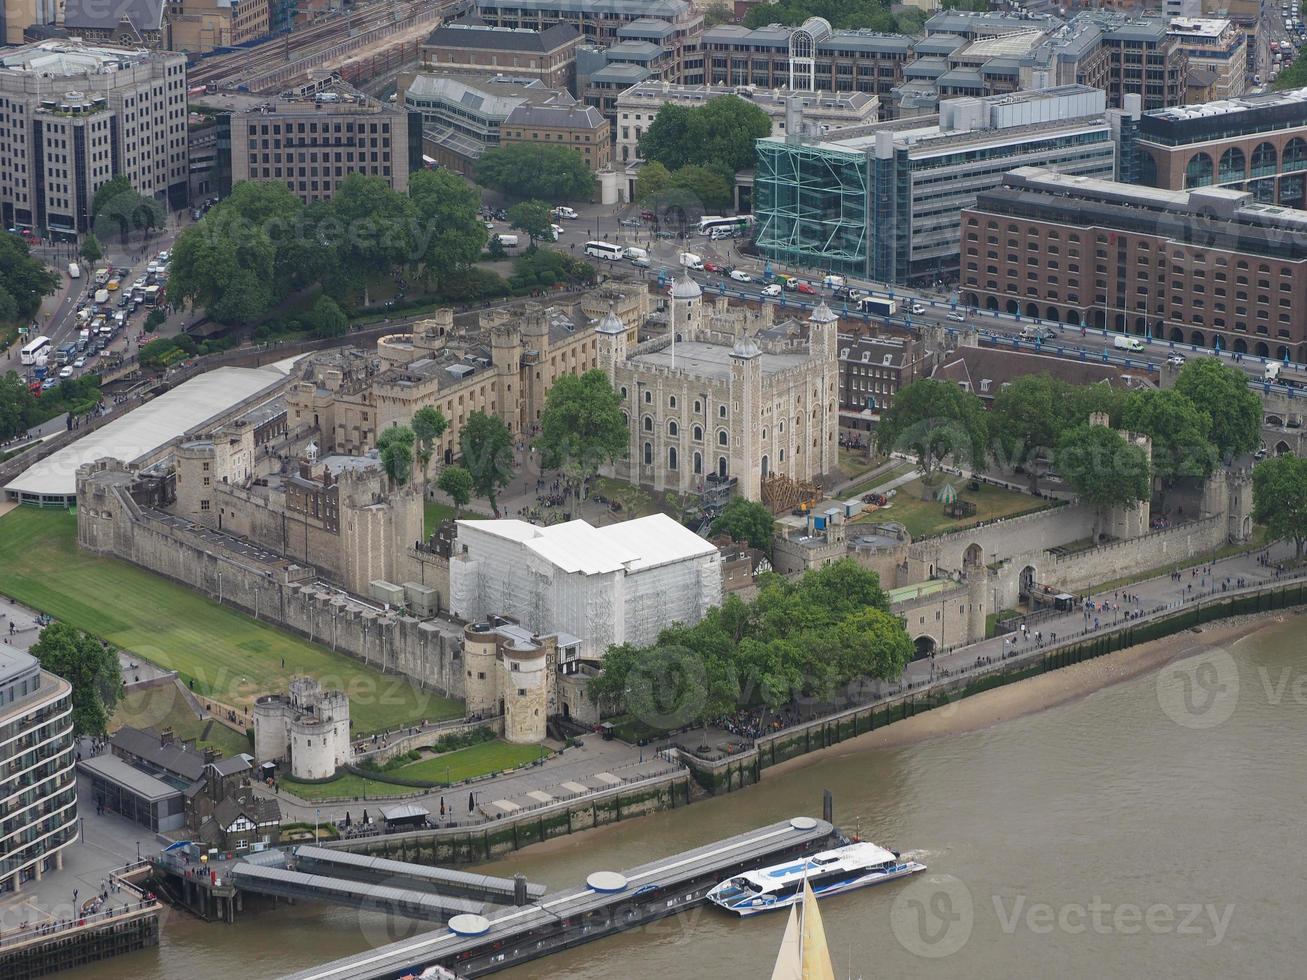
x=16, y=403
x=487, y=449
x=119, y=209
x=651, y=180
x=375, y=225
x=449, y=235
x=725, y=131
x=1280, y=498
x=547, y=268
x=25, y=280
x=746, y=520
x=1181, y=434
x=327, y=319
x=155, y=320
x=581, y=427
x=933, y=420
x=91, y=250
x=1103, y=468
x=1027, y=419
x=429, y=424
x=706, y=184
x=396, y=448
x=1221, y=391
x=456, y=483
x=666, y=140
x=90, y=666
x=532, y=217
x=546, y=172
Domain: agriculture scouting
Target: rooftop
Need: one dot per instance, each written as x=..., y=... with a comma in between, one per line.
x=645, y=8
x=70, y=58
x=115, y=770
x=14, y=663
x=148, y=428
x=1207, y=27
x=711, y=360
x=1290, y=98
x=578, y=547
x=145, y=15
x=472, y=35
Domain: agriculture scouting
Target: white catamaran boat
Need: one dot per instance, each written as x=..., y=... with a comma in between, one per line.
x=828, y=873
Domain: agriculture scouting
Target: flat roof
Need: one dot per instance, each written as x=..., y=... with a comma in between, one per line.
x=112, y=768
x=14, y=662
x=148, y=428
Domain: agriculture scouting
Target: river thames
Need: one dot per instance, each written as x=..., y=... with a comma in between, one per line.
x=1152, y=828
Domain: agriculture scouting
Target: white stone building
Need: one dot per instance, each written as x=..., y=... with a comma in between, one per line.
x=622, y=583
x=306, y=731
x=726, y=393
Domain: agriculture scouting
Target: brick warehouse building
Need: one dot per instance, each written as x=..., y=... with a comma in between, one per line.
x=1210, y=266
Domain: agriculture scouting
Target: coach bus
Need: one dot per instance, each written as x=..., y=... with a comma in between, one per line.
x=738, y=225
x=605, y=250
x=33, y=350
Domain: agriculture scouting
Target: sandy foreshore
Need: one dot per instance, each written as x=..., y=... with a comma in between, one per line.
x=1044, y=691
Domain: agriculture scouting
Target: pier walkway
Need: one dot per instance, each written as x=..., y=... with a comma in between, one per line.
x=418, y=877
x=608, y=903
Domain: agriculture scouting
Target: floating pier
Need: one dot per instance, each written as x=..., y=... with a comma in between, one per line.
x=475, y=945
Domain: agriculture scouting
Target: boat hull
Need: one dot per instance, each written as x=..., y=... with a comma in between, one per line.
x=771, y=903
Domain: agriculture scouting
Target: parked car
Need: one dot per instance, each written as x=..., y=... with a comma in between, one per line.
x=629, y=222
x=713, y=267
x=562, y=211
x=739, y=275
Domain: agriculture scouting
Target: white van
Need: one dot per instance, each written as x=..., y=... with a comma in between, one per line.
x=633, y=252
x=1272, y=371
x=74, y=271
x=1121, y=342
x=833, y=282
x=691, y=261
x=508, y=241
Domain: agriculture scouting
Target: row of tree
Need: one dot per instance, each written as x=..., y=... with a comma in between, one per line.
x=527, y=170
x=20, y=410
x=693, y=153
x=262, y=243
x=809, y=637
x=1207, y=416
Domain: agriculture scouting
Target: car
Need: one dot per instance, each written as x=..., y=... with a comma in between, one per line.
x=714, y=267
x=806, y=288
x=564, y=212
x=165, y=256
x=558, y=230
x=771, y=289
x=629, y=222
x=1175, y=359
x=66, y=371
x=48, y=383
x=739, y=275
x=124, y=273
x=957, y=316
x=80, y=362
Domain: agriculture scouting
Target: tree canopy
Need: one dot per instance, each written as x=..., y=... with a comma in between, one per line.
x=449, y=235
x=487, y=449
x=1103, y=468
x=796, y=638
x=90, y=666
x=119, y=209
x=545, y=171
x=24, y=280
x=1233, y=410
x=429, y=424
x=934, y=420
x=395, y=445
x=1280, y=498
x=871, y=14
x=327, y=318
x=90, y=249
x=746, y=520
x=456, y=483
x=719, y=134
x=532, y=217
x=581, y=426
x=1181, y=433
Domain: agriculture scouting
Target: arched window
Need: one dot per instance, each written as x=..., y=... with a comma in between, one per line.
x=1234, y=166
x=697, y=432
x=648, y=397
x=698, y=407
x=764, y=433
x=1198, y=172
x=671, y=401
x=648, y=423
x=648, y=453
x=721, y=437
x=721, y=411
x=673, y=428
x=622, y=392
x=698, y=464
x=671, y=457
x=1264, y=160
x=1295, y=154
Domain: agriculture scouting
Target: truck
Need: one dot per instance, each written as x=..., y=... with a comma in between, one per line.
x=1272, y=371
x=102, y=276
x=878, y=305
x=152, y=294
x=691, y=261
x=102, y=296
x=1122, y=342
x=74, y=271
x=1030, y=332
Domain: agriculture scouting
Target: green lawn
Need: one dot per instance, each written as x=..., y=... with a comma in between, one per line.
x=164, y=707
x=433, y=512
x=228, y=655
x=879, y=480
x=345, y=787
x=927, y=517
x=855, y=462
x=476, y=760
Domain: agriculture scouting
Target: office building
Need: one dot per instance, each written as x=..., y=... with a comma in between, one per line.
x=887, y=204
x=472, y=47
x=38, y=784
x=582, y=128
x=1256, y=143
x=1209, y=266
x=1144, y=59
x=463, y=115
x=723, y=395
x=313, y=143
x=637, y=106
x=73, y=116
x=872, y=371
x=1216, y=44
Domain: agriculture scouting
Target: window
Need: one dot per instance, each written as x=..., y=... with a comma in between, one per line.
x=648, y=397
x=648, y=454
x=648, y=423
x=673, y=428
x=697, y=432
x=721, y=411
x=721, y=437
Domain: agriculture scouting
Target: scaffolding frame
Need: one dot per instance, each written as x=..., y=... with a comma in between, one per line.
x=811, y=204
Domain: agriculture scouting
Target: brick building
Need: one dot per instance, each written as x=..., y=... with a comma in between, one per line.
x=582, y=128
x=471, y=47
x=1209, y=266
